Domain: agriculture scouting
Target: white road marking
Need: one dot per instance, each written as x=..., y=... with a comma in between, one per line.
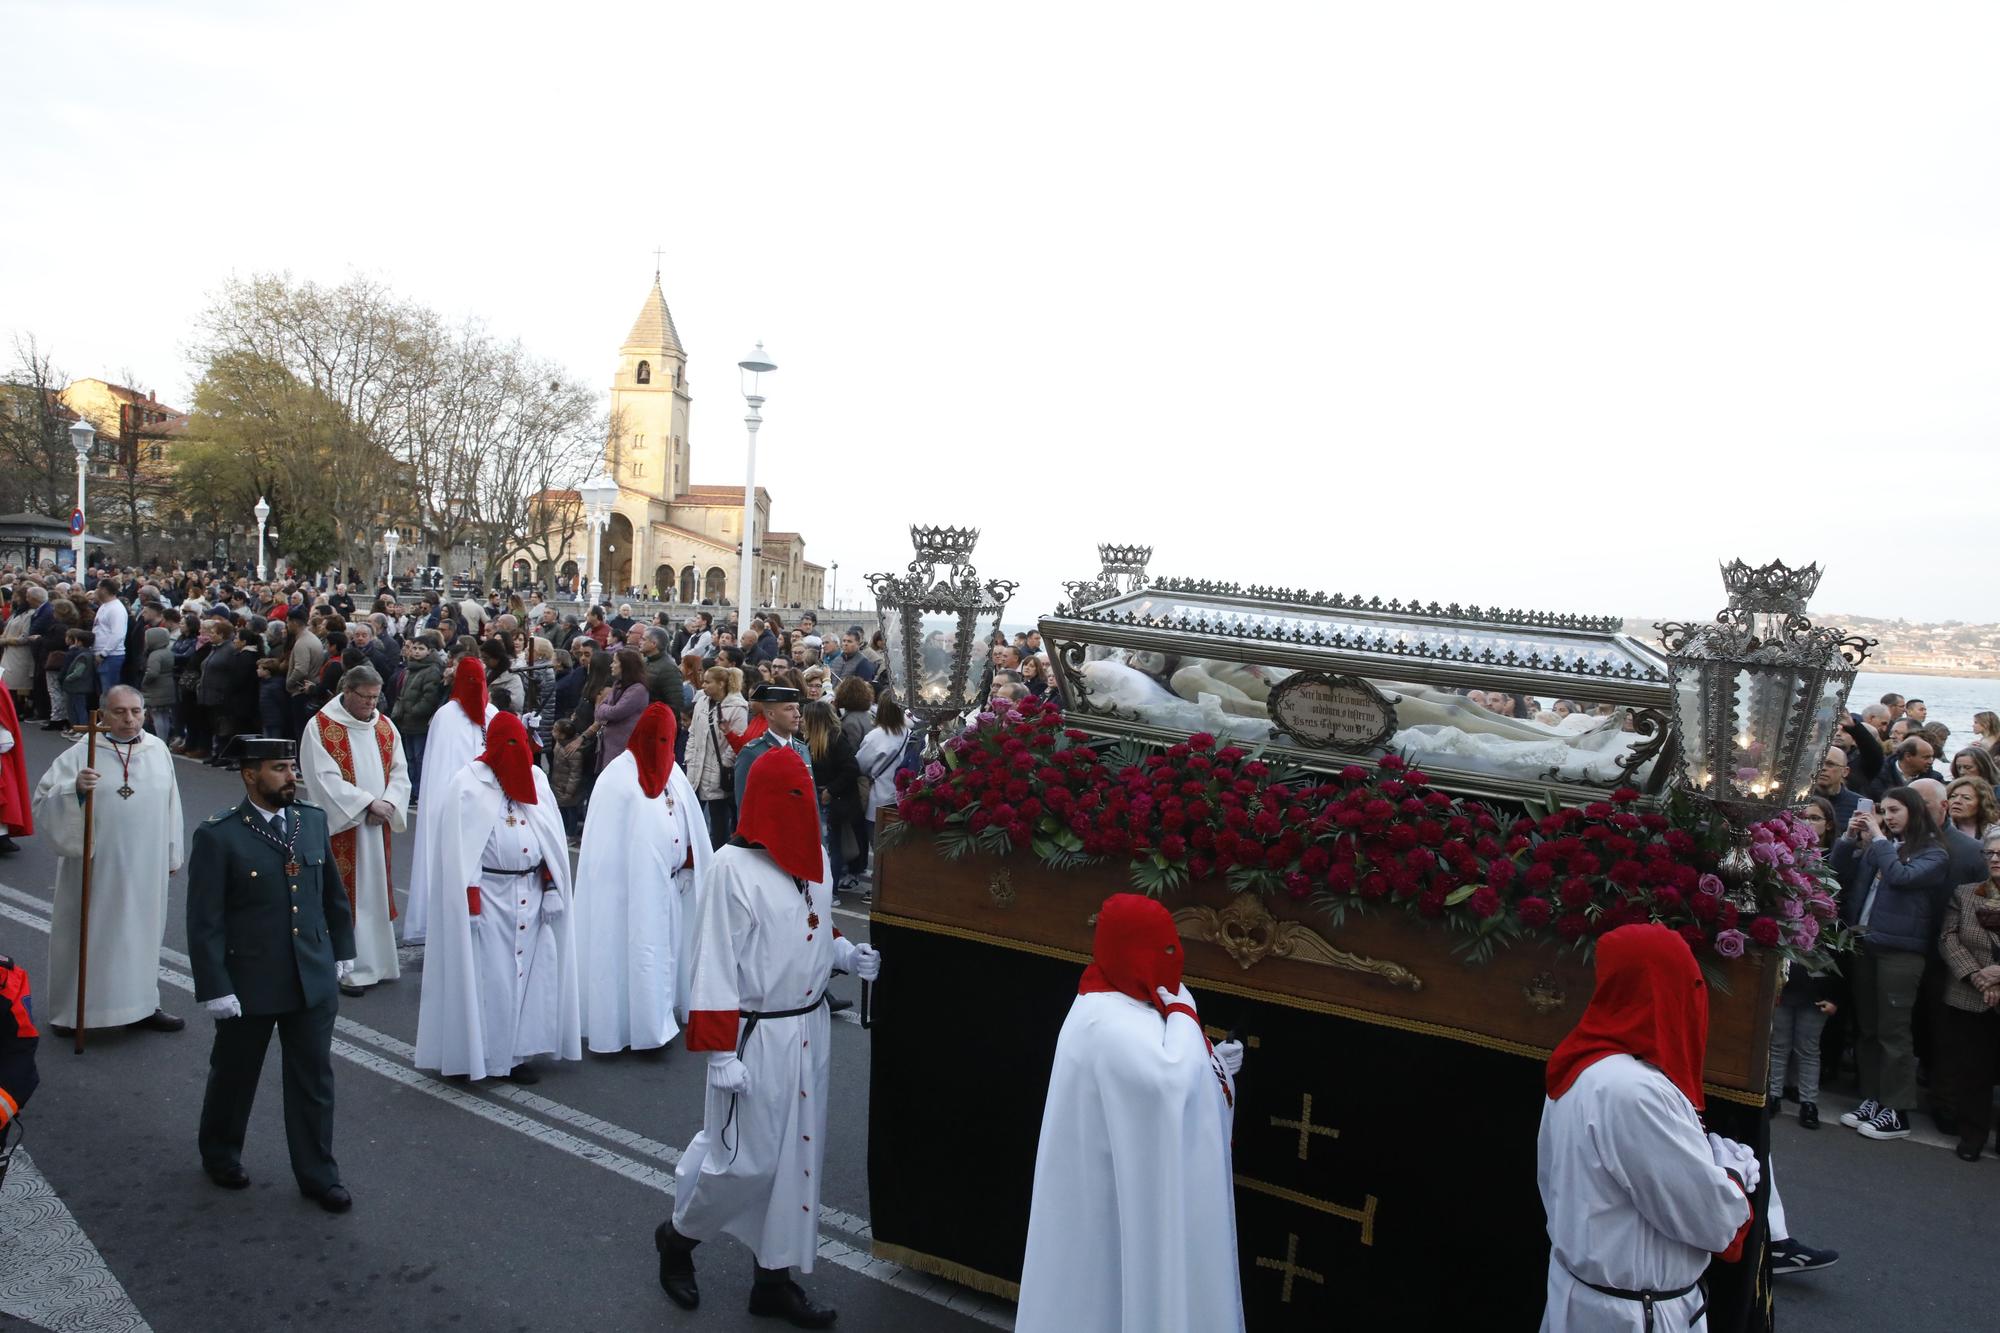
x=985, y=1309
x=54, y=1277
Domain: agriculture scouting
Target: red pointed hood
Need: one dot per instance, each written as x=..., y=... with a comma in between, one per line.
x=1650, y=1002
x=511, y=756
x=1135, y=950
x=781, y=814
x=468, y=689
x=652, y=748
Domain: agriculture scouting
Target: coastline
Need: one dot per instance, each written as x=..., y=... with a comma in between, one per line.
x=1892, y=668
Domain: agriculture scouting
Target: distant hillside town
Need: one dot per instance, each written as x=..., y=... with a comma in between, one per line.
x=1949, y=648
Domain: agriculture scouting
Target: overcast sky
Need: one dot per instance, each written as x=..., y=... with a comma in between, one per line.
x=1546, y=305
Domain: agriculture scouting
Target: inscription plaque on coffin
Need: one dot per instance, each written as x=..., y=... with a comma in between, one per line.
x=1332, y=712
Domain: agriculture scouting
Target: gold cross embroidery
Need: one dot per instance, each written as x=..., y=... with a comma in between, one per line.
x=1305, y=1126
x=1289, y=1266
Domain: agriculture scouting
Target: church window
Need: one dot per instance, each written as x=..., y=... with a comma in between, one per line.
x=645, y=375
x=677, y=377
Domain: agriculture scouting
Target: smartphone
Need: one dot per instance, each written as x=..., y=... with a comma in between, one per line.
x=1864, y=806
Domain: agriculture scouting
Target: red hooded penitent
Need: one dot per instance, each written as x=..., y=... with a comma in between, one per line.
x=781, y=814
x=1650, y=1002
x=468, y=689
x=1136, y=950
x=17, y=817
x=652, y=748
x=511, y=756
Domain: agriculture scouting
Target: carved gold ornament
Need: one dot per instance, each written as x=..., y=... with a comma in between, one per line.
x=1248, y=933
x=1001, y=887
x=1544, y=993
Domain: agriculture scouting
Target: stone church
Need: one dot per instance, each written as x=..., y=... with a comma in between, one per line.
x=668, y=537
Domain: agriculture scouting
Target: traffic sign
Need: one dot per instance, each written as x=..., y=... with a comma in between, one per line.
x=76, y=522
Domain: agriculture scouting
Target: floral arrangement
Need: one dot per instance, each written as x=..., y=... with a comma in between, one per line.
x=1366, y=839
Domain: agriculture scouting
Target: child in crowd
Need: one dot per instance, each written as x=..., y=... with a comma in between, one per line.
x=79, y=676
x=566, y=777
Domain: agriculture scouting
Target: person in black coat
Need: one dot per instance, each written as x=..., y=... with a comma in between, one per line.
x=270, y=937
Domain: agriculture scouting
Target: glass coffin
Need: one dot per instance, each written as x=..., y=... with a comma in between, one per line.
x=1490, y=702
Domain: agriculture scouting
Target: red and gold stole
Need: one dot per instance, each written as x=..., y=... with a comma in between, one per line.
x=333, y=736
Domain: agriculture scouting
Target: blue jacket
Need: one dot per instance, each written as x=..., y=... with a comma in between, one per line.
x=1904, y=918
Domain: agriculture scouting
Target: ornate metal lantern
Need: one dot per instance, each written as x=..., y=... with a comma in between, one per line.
x=1121, y=569
x=1757, y=694
x=936, y=625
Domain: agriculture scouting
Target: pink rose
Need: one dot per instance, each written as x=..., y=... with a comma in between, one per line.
x=1729, y=943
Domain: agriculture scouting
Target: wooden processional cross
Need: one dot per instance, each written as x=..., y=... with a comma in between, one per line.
x=92, y=731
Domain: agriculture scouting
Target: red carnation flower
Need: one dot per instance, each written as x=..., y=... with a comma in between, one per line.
x=1431, y=904
x=1625, y=795
x=1692, y=934
x=1353, y=773
x=1533, y=911
x=1572, y=925
x=1484, y=902
x=1575, y=892
x=1390, y=763
x=1173, y=846
x=1764, y=930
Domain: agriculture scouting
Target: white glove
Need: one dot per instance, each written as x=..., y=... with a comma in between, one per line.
x=726, y=1073
x=552, y=904
x=1733, y=1156
x=1230, y=1053
x=343, y=969
x=867, y=962
x=223, y=1006
x=1181, y=996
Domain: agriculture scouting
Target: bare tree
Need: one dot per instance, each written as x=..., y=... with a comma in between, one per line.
x=37, y=465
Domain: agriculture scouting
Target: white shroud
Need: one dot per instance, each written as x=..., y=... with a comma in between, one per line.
x=753, y=1171
x=502, y=988
x=138, y=843
x=635, y=906
x=1634, y=1199
x=346, y=805
x=450, y=744
x=1133, y=1226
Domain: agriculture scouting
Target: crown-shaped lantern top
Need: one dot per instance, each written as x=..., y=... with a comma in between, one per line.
x=1773, y=589
x=938, y=545
x=1124, y=559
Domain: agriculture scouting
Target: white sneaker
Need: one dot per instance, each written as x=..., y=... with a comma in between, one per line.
x=1861, y=1114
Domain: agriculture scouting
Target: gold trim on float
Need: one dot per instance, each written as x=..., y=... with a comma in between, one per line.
x=1245, y=930
x=1415, y=1025
x=984, y=1283
x=1364, y=1215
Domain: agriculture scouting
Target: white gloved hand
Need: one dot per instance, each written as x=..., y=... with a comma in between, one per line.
x=726, y=1073
x=867, y=962
x=1181, y=996
x=843, y=954
x=552, y=904
x=223, y=1006
x=1230, y=1053
x=1733, y=1156
x=343, y=968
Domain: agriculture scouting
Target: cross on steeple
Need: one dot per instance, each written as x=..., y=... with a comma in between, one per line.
x=1290, y=1268
x=1305, y=1126
x=657, y=252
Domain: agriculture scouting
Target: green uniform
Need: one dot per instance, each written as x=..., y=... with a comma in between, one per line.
x=267, y=915
x=755, y=750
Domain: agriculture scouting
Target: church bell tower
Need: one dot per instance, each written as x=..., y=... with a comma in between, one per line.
x=648, y=448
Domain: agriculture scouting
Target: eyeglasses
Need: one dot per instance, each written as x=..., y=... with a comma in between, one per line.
x=1993, y=853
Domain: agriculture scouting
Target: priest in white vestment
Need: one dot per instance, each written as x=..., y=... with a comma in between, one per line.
x=500, y=980
x=764, y=950
x=137, y=842
x=352, y=764
x=457, y=735
x=1638, y=1198
x=1133, y=1225
x=645, y=851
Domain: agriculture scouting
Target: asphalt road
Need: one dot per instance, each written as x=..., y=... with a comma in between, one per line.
x=489, y=1206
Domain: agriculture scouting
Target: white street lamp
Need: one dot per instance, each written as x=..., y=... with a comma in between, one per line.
x=598, y=495
x=390, y=540
x=82, y=435
x=263, y=513
x=751, y=369
x=834, y=595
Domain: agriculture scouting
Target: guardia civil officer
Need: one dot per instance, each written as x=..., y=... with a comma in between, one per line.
x=267, y=920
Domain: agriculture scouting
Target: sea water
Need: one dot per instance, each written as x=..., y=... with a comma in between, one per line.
x=1951, y=700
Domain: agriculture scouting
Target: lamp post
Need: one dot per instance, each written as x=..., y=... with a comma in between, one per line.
x=750, y=372
x=1757, y=694
x=598, y=495
x=263, y=513
x=82, y=435
x=390, y=540
x=933, y=622
x=834, y=594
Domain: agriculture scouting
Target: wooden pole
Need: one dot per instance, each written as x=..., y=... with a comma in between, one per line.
x=83, y=917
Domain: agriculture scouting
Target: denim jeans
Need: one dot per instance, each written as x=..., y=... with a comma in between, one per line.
x=110, y=672
x=413, y=751
x=1795, y=1030
x=161, y=720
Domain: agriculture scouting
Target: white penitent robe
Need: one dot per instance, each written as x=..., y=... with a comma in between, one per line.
x=137, y=842
x=452, y=743
x=1133, y=1225
x=753, y=1171
x=345, y=790
x=635, y=906
x=1634, y=1199
x=499, y=986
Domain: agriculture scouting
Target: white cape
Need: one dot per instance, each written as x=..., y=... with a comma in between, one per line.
x=346, y=805
x=1133, y=1226
x=138, y=842
x=450, y=744
x=452, y=1032
x=635, y=906
x=1634, y=1199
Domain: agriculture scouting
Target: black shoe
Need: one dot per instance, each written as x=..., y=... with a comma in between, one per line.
x=1808, y=1115
x=229, y=1177
x=676, y=1266
x=524, y=1074
x=1969, y=1152
x=352, y=991
x=8, y=846
x=1788, y=1256
x=1774, y=1104
x=1946, y=1122
x=334, y=1198
x=787, y=1300
x=836, y=1005
x=158, y=1021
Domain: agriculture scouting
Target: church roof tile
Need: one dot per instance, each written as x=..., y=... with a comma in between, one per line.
x=654, y=331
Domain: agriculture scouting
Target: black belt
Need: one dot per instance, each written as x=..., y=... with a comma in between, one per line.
x=514, y=874
x=1648, y=1299
x=751, y=1018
